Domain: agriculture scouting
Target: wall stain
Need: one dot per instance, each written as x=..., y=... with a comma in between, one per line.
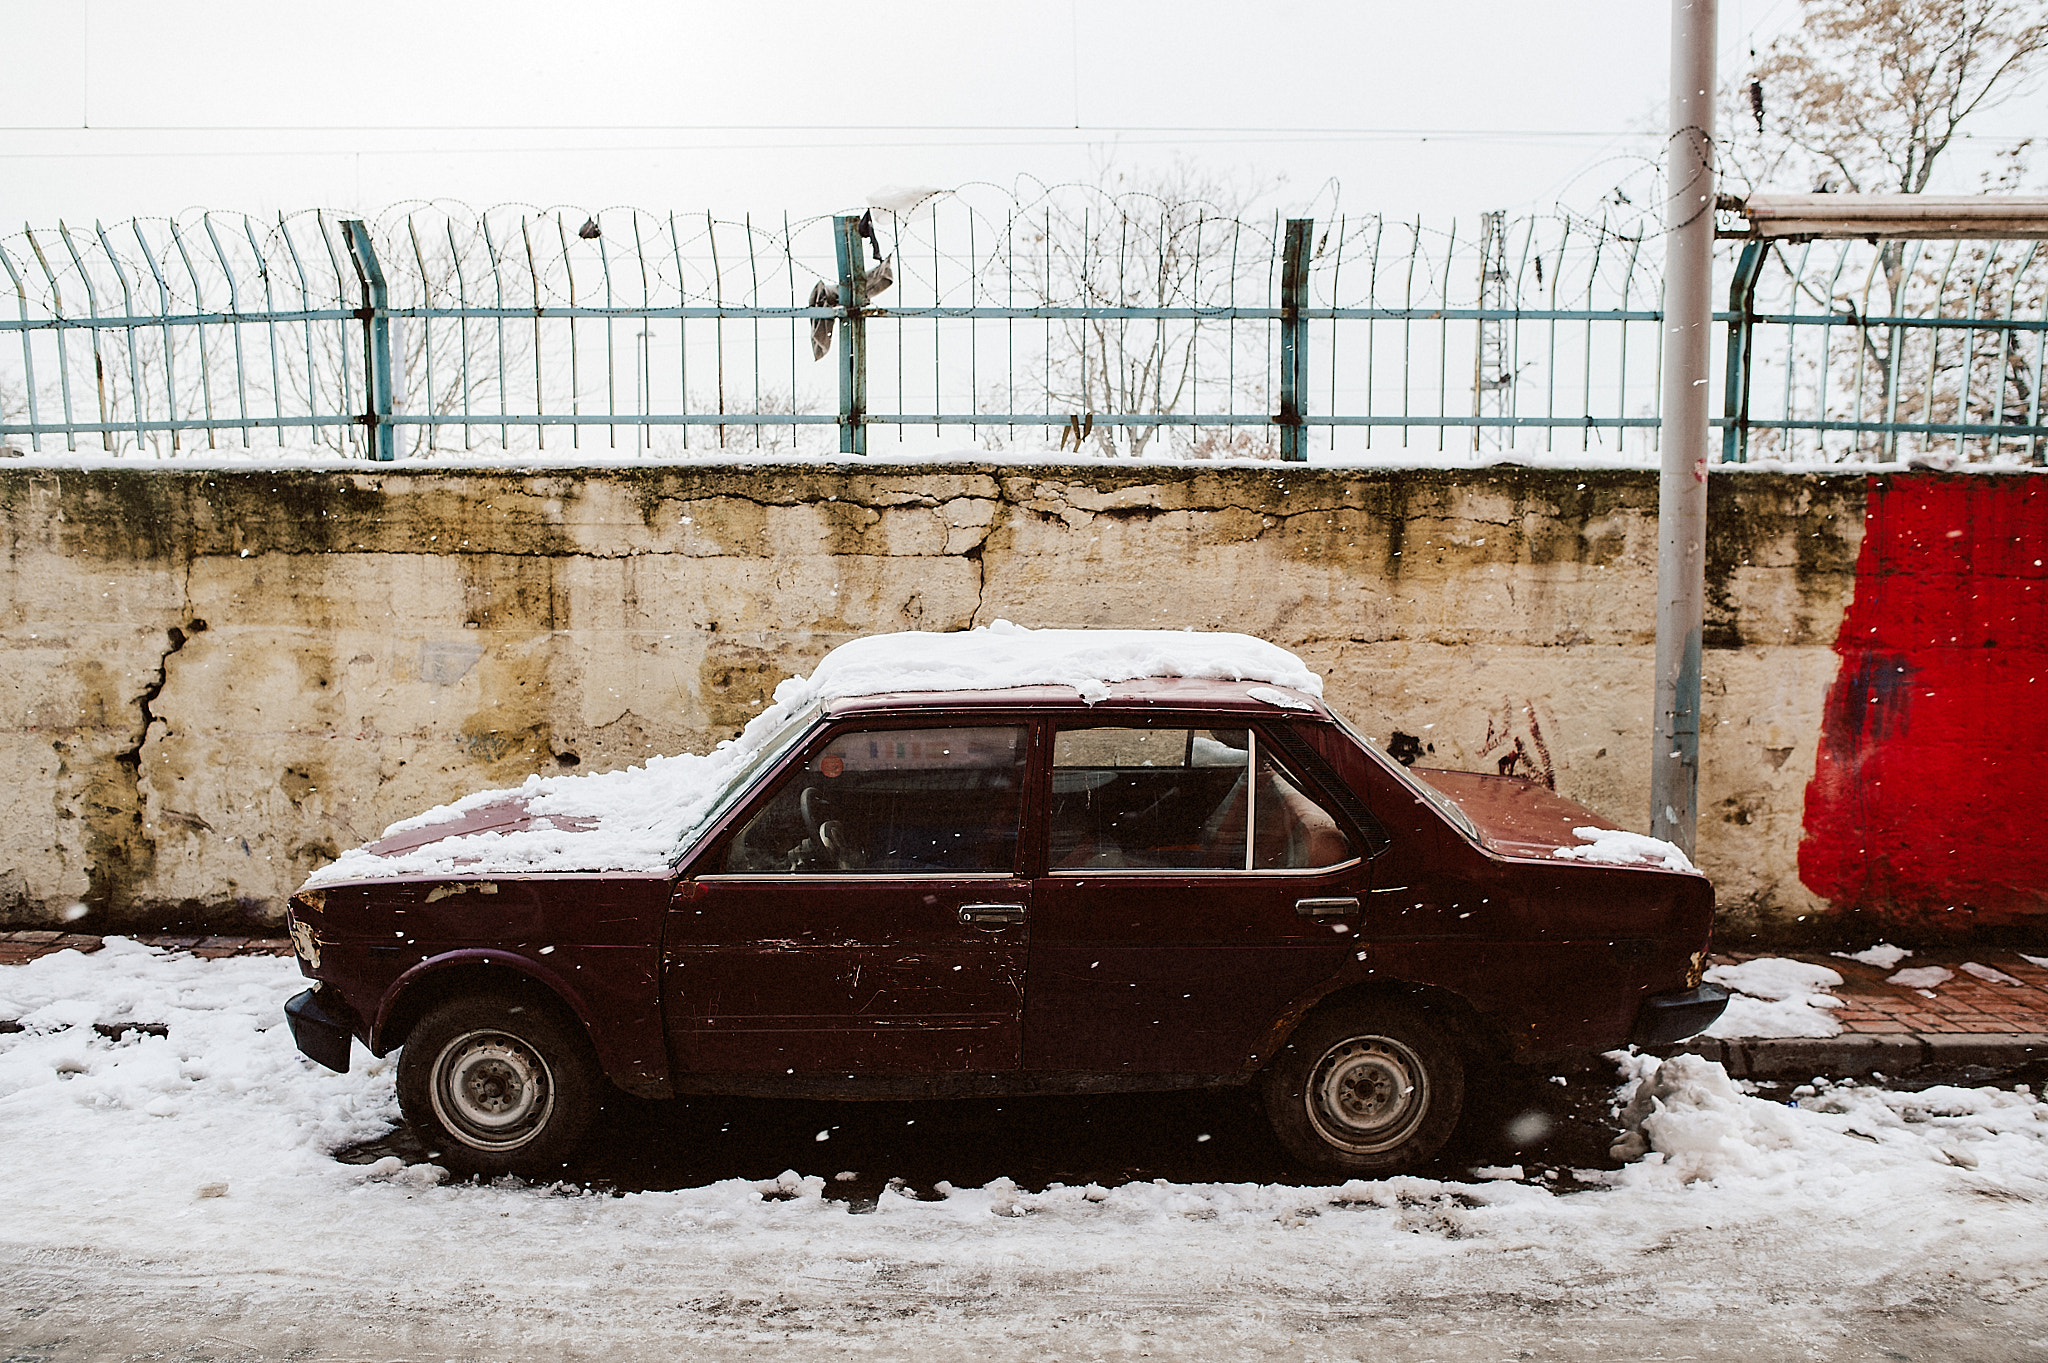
x=736, y=681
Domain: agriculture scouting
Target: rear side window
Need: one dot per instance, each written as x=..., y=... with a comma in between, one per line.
x=1126, y=799
x=894, y=801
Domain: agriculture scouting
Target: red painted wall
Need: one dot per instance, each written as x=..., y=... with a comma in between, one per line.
x=1929, y=803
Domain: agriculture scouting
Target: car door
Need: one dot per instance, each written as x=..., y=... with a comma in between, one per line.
x=1195, y=886
x=865, y=916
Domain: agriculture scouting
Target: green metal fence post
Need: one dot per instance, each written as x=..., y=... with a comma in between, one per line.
x=853, y=337
x=376, y=318
x=1294, y=338
x=1741, y=335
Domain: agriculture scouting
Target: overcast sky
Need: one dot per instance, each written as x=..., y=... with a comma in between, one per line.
x=113, y=108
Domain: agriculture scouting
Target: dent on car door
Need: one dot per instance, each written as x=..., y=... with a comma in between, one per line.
x=865, y=916
x=1195, y=886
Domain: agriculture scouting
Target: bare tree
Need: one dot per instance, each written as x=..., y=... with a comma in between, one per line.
x=13, y=410
x=1866, y=96
x=1176, y=239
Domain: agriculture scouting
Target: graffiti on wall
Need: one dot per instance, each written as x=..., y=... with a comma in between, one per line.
x=1927, y=801
x=1515, y=744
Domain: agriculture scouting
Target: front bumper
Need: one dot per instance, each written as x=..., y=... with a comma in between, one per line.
x=1666, y=1018
x=320, y=1028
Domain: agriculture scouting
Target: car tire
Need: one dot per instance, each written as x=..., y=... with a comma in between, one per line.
x=498, y=1084
x=1365, y=1089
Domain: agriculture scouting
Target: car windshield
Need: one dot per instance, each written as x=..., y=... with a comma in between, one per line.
x=1436, y=799
x=750, y=771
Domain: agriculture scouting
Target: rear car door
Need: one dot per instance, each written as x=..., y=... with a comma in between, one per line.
x=1195, y=886
x=865, y=916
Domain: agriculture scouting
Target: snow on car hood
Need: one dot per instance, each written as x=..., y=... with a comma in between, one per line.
x=635, y=820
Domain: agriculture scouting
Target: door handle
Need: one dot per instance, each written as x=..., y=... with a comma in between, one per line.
x=991, y=913
x=1326, y=908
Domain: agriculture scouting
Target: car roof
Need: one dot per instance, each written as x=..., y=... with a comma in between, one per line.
x=1144, y=694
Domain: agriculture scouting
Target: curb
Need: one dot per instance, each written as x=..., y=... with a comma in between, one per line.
x=19, y=946
x=1857, y=1055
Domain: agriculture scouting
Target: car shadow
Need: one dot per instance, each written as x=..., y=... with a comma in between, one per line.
x=1513, y=1116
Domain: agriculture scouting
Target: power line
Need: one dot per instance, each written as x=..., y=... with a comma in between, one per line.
x=1063, y=138
x=672, y=128
x=638, y=148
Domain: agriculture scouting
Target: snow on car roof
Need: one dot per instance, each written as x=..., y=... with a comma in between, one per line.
x=1004, y=655
x=633, y=820
x=1140, y=693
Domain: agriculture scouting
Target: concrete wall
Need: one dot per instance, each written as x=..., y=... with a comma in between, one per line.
x=214, y=681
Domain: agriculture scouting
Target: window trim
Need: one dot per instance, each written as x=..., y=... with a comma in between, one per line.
x=769, y=787
x=1374, y=837
x=1231, y=875
x=1302, y=781
x=715, y=826
x=863, y=877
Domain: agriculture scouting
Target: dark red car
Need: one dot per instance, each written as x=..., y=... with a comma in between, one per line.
x=1184, y=883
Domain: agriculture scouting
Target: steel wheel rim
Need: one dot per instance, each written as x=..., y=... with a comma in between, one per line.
x=491, y=1090
x=1367, y=1094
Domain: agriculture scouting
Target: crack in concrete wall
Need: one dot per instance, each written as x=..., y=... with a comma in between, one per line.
x=126, y=852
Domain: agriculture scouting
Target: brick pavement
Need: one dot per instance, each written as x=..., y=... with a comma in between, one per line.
x=25, y=944
x=1970, y=1001
x=1989, y=1014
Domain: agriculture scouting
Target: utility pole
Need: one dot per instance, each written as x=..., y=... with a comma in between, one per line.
x=1493, y=381
x=1682, y=488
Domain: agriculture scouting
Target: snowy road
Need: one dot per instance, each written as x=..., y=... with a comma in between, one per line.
x=175, y=1196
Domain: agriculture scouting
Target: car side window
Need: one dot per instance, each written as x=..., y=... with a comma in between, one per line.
x=1179, y=799
x=893, y=801
x=1291, y=831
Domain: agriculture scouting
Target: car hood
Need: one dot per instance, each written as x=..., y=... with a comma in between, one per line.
x=1523, y=818
x=512, y=814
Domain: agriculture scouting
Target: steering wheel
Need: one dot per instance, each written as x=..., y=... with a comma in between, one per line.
x=808, y=804
x=828, y=835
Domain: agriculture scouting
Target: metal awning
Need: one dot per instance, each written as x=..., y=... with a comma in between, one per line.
x=1891, y=217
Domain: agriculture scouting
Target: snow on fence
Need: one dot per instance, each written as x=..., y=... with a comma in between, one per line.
x=1122, y=325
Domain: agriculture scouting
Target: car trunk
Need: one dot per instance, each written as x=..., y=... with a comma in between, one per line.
x=1516, y=817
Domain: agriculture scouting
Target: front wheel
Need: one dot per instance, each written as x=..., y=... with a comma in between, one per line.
x=1367, y=1089
x=498, y=1084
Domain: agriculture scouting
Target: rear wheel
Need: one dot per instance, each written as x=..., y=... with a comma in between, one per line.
x=498, y=1084
x=1365, y=1089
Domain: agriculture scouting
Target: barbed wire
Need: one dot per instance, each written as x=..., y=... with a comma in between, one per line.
x=976, y=241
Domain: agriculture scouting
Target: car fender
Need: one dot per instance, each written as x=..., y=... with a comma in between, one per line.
x=403, y=988
x=619, y=1011
x=1453, y=1011
x=1276, y=1033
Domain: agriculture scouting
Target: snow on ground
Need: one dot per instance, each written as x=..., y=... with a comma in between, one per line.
x=185, y=1178
x=632, y=820
x=1776, y=997
x=1687, y=1121
x=1991, y=974
x=1884, y=955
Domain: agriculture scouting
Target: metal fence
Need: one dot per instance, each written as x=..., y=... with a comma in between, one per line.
x=1075, y=320
x=1872, y=350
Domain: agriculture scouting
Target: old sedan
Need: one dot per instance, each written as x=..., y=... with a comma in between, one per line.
x=1174, y=867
